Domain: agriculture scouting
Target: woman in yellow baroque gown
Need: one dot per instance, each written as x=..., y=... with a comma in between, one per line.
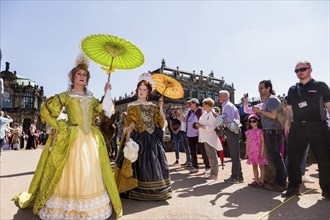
x=73, y=179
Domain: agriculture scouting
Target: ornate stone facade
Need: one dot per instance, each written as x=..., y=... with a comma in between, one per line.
x=21, y=98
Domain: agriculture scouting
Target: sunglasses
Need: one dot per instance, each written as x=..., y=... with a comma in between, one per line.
x=253, y=121
x=301, y=69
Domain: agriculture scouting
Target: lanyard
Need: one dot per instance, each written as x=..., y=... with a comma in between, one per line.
x=299, y=90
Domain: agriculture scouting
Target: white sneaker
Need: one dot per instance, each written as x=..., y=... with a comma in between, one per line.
x=194, y=170
x=306, y=179
x=207, y=171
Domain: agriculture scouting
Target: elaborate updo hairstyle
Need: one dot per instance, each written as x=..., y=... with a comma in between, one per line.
x=145, y=79
x=81, y=64
x=147, y=84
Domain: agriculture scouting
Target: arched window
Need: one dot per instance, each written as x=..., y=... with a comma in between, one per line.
x=209, y=94
x=194, y=93
x=28, y=100
x=186, y=92
x=202, y=94
x=7, y=99
x=216, y=97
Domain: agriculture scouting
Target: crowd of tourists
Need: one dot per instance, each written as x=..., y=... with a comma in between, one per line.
x=277, y=132
x=16, y=138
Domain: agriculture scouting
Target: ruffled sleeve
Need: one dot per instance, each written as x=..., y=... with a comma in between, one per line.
x=132, y=116
x=97, y=107
x=158, y=118
x=52, y=109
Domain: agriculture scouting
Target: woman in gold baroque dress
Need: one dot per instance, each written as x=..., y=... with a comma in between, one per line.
x=148, y=177
x=73, y=178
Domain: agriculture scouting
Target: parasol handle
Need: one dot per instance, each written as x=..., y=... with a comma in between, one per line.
x=164, y=90
x=161, y=98
x=110, y=69
x=109, y=77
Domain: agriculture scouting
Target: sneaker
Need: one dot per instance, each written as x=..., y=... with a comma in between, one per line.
x=240, y=179
x=212, y=177
x=274, y=187
x=291, y=191
x=232, y=180
x=254, y=184
x=189, y=164
x=326, y=195
x=306, y=179
x=207, y=171
x=176, y=162
x=260, y=184
x=194, y=170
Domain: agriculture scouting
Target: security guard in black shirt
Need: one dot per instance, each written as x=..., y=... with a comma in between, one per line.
x=307, y=104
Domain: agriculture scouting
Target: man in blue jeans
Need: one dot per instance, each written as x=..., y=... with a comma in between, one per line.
x=272, y=132
x=182, y=112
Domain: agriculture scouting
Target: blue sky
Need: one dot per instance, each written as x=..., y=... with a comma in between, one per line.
x=242, y=41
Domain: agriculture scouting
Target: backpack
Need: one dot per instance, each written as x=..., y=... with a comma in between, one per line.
x=281, y=114
x=198, y=113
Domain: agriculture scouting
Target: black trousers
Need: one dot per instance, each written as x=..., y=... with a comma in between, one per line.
x=1, y=142
x=193, y=145
x=318, y=136
x=273, y=139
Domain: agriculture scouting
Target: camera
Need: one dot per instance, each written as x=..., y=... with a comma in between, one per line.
x=246, y=95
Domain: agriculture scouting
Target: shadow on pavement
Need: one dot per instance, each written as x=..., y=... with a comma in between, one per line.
x=17, y=174
x=294, y=210
x=24, y=214
x=131, y=206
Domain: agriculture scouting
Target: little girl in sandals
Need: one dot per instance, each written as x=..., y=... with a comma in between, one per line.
x=255, y=150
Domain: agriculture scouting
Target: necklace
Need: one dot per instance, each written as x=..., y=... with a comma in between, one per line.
x=145, y=102
x=79, y=93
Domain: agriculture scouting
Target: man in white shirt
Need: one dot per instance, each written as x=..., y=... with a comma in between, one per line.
x=183, y=132
x=4, y=121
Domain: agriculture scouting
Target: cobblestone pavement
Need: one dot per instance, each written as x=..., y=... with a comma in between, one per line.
x=194, y=197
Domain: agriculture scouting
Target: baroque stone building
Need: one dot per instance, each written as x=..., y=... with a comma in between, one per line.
x=21, y=98
x=198, y=86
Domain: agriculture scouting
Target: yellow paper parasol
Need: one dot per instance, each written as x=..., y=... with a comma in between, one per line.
x=112, y=52
x=168, y=86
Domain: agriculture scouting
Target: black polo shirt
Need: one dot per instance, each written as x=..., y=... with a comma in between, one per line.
x=308, y=100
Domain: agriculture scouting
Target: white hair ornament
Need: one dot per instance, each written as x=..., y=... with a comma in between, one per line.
x=81, y=59
x=147, y=77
